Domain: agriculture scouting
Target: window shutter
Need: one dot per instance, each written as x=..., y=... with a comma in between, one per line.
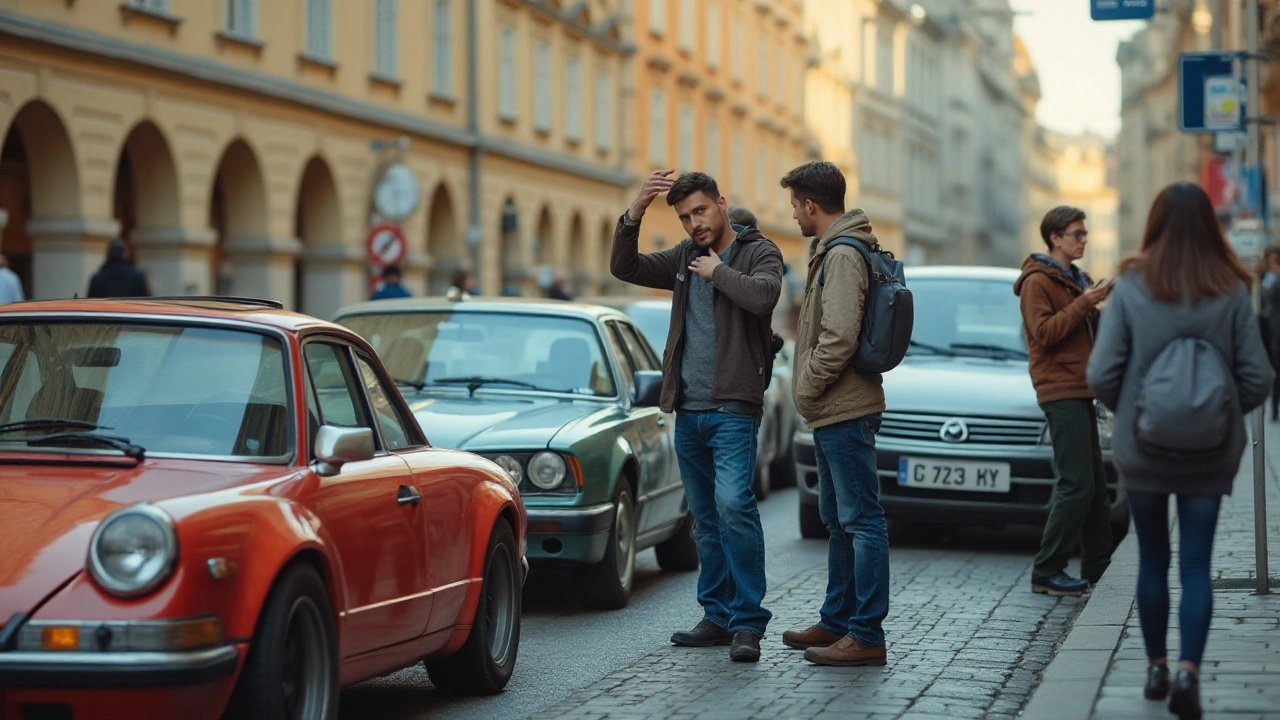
x=385, y=37
x=604, y=118
x=573, y=98
x=443, y=70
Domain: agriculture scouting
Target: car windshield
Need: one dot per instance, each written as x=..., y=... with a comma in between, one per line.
x=654, y=321
x=164, y=388
x=504, y=351
x=967, y=317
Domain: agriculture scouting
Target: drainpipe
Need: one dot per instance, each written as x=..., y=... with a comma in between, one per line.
x=474, y=235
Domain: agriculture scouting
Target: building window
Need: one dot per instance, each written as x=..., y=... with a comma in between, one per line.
x=507, y=74
x=712, y=150
x=156, y=6
x=384, y=43
x=735, y=161
x=319, y=29
x=240, y=17
x=542, y=86
x=884, y=60
x=735, y=47
x=604, y=118
x=573, y=99
x=762, y=66
x=657, y=16
x=686, y=25
x=686, y=137
x=713, y=34
x=442, y=34
x=657, y=128
x=762, y=175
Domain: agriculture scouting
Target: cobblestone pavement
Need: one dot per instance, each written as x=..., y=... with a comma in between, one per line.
x=967, y=639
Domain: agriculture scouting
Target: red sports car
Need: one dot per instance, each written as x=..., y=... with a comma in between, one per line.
x=215, y=508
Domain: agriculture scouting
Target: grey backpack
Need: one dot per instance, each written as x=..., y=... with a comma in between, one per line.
x=889, y=312
x=1187, y=401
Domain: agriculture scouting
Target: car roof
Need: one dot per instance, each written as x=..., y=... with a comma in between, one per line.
x=267, y=313
x=527, y=306
x=961, y=272
x=628, y=301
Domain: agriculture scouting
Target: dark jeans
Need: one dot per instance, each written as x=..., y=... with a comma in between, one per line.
x=1080, y=513
x=858, y=548
x=1197, y=522
x=717, y=455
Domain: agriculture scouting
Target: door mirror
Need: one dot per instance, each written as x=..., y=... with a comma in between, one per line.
x=337, y=446
x=648, y=385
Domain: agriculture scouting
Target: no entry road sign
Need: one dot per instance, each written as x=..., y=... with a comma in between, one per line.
x=386, y=244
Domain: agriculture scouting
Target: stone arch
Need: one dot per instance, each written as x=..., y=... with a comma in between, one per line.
x=577, y=260
x=544, y=239
x=512, y=257
x=145, y=195
x=445, y=240
x=238, y=218
x=40, y=195
x=318, y=225
x=605, y=243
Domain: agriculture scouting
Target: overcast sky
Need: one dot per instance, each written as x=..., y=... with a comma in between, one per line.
x=1076, y=60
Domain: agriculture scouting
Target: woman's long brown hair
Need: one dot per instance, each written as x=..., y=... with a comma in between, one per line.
x=1184, y=255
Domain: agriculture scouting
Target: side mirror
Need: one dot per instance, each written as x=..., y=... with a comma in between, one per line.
x=337, y=446
x=648, y=388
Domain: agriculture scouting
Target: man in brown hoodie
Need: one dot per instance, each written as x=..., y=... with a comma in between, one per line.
x=1059, y=315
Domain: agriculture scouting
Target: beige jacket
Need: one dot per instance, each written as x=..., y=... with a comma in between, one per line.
x=827, y=390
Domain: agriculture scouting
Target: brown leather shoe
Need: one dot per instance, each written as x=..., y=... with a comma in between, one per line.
x=847, y=652
x=815, y=636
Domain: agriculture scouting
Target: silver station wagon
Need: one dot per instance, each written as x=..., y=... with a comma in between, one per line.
x=963, y=441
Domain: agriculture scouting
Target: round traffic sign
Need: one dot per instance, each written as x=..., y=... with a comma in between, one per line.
x=386, y=244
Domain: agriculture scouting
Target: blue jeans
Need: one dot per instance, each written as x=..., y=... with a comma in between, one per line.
x=858, y=549
x=717, y=454
x=1197, y=522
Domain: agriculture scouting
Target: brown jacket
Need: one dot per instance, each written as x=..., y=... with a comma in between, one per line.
x=827, y=390
x=1059, y=323
x=746, y=291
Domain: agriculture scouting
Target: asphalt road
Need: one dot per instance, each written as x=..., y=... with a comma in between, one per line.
x=564, y=648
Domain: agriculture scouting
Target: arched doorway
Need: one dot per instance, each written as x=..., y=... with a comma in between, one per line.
x=444, y=242
x=38, y=180
x=237, y=215
x=544, y=252
x=576, y=261
x=145, y=202
x=318, y=224
x=512, y=260
x=608, y=284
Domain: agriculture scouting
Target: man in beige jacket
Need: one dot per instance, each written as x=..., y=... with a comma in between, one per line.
x=843, y=408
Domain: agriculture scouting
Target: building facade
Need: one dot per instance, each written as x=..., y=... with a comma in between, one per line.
x=236, y=144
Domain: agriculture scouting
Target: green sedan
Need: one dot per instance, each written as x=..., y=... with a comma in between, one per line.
x=564, y=397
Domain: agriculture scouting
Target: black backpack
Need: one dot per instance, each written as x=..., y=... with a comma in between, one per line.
x=888, y=314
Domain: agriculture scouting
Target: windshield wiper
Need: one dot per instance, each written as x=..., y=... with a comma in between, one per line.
x=476, y=381
x=415, y=384
x=50, y=424
x=1012, y=352
x=88, y=439
x=917, y=345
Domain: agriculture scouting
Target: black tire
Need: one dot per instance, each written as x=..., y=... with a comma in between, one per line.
x=609, y=581
x=679, y=553
x=292, y=667
x=484, y=664
x=782, y=474
x=811, y=525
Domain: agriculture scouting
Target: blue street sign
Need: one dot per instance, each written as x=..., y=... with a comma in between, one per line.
x=1210, y=92
x=1122, y=9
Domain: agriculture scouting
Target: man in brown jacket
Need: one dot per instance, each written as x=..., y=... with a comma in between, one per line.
x=843, y=407
x=725, y=281
x=1059, y=315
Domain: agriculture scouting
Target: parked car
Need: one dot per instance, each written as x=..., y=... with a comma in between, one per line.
x=963, y=440
x=212, y=503
x=563, y=396
x=775, y=463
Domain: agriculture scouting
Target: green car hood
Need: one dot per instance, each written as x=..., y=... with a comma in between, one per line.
x=506, y=422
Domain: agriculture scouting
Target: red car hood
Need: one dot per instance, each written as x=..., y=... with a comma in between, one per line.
x=49, y=512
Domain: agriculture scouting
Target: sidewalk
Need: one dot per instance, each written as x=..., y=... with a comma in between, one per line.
x=1103, y=659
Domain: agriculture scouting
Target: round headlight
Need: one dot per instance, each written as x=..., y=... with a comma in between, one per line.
x=1106, y=424
x=546, y=470
x=133, y=551
x=512, y=466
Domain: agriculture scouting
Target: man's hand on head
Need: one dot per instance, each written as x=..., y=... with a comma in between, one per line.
x=656, y=184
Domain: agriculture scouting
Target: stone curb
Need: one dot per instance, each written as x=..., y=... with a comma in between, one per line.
x=1069, y=687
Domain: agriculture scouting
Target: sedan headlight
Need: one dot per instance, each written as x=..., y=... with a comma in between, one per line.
x=1106, y=422
x=133, y=551
x=512, y=466
x=547, y=470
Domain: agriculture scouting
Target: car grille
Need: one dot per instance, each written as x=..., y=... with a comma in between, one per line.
x=982, y=430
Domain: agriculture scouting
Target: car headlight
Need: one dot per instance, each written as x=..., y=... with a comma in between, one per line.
x=133, y=551
x=547, y=470
x=512, y=466
x=1106, y=422
x=1045, y=437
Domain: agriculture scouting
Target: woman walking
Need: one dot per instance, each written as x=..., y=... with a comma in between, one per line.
x=1179, y=359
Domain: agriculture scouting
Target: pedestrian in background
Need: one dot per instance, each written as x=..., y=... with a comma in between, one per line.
x=461, y=285
x=391, y=288
x=558, y=288
x=843, y=407
x=1180, y=360
x=1269, y=319
x=739, y=215
x=10, y=284
x=118, y=277
x=1059, y=315
x=725, y=284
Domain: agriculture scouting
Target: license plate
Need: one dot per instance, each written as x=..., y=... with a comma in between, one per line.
x=942, y=474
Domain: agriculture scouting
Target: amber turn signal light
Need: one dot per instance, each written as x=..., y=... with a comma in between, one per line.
x=60, y=638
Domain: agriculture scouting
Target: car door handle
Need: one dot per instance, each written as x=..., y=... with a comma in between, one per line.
x=408, y=496
x=662, y=422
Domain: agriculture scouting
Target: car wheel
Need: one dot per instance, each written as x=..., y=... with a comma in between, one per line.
x=811, y=525
x=783, y=472
x=609, y=581
x=292, y=667
x=485, y=663
x=679, y=553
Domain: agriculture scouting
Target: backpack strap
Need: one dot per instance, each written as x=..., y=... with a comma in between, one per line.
x=858, y=245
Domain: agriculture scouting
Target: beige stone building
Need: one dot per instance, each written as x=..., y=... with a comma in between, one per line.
x=236, y=144
x=1080, y=171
